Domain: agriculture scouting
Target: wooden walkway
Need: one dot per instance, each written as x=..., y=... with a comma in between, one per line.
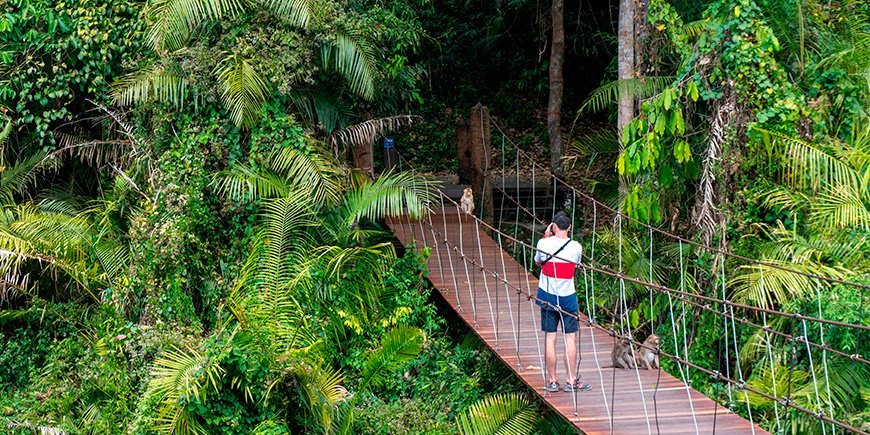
x=502, y=314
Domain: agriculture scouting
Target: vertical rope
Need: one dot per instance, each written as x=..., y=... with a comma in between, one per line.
x=652, y=320
x=469, y=281
x=437, y=249
x=517, y=221
x=770, y=356
x=624, y=303
x=534, y=213
x=595, y=351
x=450, y=257
x=508, y=297
x=685, y=339
x=535, y=324
x=740, y=371
x=824, y=355
x=813, y=371
x=486, y=283
x=677, y=346
x=725, y=323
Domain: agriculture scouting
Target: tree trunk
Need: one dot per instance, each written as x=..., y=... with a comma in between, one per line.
x=481, y=178
x=554, y=108
x=625, y=71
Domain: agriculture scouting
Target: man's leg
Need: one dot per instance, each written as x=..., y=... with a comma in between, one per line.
x=550, y=355
x=571, y=355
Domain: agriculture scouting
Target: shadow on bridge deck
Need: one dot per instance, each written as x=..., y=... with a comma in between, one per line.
x=507, y=322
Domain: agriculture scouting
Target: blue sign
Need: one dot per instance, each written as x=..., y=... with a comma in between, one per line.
x=389, y=142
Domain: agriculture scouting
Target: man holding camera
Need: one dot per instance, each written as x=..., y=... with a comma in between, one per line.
x=558, y=256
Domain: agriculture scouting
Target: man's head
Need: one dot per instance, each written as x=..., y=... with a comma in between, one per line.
x=562, y=221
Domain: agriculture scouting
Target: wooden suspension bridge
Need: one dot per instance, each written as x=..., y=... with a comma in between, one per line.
x=620, y=402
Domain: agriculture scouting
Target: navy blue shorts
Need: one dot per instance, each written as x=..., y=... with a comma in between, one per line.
x=550, y=319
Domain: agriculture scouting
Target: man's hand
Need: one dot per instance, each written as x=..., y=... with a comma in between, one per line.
x=549, y=231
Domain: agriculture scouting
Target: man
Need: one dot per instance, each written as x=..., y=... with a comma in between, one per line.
x=558, y=300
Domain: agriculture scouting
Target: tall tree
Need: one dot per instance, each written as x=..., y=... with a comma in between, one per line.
x=554, y=108
x=625, y=71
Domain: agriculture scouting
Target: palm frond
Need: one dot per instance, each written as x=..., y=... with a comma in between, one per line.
x=16, y=177
x=695, y=28
x=324, y=393
x=597, y=142
x=807, y=166
x=351, y=58
x=296, y=12
x=367, y=132
x=842, y=207
x=316, y=172
x=164, y=82
x=178, y=377
x=607, y=94
x=170, y=22
x=243, y=90
x=777, y=286
x=245, y=183
x=388, y=196
x=93, y=151
x=501, y=414
x=399, y=345
x=285, y=221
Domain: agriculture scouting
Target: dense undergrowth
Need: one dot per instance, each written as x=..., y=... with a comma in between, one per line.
x=186, y=249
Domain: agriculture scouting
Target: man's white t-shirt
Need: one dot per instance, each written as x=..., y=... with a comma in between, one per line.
x=557, y=275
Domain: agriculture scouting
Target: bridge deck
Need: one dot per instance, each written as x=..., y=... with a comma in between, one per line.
x=668, y=409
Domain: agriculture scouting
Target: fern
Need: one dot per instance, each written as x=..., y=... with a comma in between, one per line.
x=243, y=90
x=351, y=57
x=503, y=414
x=399, y=345
x=607, y=94
x=164, y=82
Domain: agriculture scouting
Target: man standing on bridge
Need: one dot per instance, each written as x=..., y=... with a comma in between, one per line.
x=558, y=300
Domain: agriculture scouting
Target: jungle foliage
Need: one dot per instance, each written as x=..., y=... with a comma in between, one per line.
x=185, y=247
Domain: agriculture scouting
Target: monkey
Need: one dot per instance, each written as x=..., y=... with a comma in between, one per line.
x=646, y=356
x=466, y=204
x=621, y=355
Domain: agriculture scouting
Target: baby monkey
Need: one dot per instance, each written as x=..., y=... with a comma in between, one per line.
x=621, y=355
x=646, y=356
x=466, y=204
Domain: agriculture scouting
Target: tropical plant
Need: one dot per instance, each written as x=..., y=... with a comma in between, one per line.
x=504, y=414
x=173, y=23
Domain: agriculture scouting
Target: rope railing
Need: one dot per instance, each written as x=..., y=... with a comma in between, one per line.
x=675, y=236
x=681, y=296
x=741, y=385
x=759, y=310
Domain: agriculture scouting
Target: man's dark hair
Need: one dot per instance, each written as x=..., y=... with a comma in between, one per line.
x=562, y=220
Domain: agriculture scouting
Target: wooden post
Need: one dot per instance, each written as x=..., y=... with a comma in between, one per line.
x=363, y=158
x=480, y=172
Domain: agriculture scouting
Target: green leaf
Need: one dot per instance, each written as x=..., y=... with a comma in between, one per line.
x=243, y=90
x=504, y=414
x=633, y=316
x=693, y=90
x=679, y=124
x=660, y=123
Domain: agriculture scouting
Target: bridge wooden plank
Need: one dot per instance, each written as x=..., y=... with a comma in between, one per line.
x=507, y=322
